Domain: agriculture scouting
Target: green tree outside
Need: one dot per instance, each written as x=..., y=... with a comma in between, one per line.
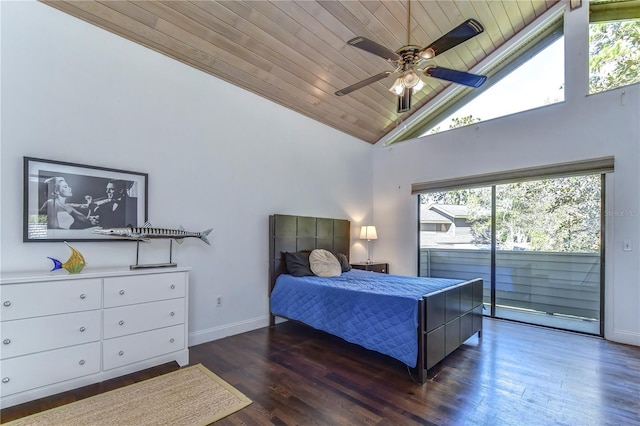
x=614, y=55
x=561, y=215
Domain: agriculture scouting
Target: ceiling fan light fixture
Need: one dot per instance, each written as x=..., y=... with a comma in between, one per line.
x=410, y=78
x=427, y=53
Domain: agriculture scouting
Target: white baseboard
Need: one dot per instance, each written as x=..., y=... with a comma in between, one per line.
x=203, y=336
x=623, y=336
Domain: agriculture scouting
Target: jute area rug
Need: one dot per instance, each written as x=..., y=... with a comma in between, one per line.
x=186, y=397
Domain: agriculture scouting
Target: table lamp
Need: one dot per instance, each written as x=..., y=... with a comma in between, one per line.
x=368, y=232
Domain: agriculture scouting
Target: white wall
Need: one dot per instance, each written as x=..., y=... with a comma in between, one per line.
x=217, y=156
x=580, y=128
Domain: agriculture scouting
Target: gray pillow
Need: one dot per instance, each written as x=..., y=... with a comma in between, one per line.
x=298, y=264
x=344, y=262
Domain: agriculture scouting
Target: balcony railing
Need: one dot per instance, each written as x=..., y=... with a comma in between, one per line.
x=547, y=282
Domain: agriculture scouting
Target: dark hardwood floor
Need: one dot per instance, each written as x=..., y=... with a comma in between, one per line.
x=515, y=375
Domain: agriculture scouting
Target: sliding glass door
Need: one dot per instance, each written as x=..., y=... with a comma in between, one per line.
x=537, y=245
x=547, y=267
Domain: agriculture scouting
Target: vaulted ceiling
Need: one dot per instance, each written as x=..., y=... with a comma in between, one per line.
x=295, y=53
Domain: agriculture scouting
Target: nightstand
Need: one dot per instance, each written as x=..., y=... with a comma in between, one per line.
x=383, y=268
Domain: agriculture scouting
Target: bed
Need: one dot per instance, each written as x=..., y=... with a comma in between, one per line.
x=418, y=321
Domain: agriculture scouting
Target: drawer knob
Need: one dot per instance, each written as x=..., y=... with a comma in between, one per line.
x=81, y=362
x=171, y=340
x=173, y=286
x=6, y=341
x=173, y=314
x=7, y=303
x=5, y=380
x=82, y=329
x=83, y=296
x=121, y=322
x=121, y=353
x=121, y=292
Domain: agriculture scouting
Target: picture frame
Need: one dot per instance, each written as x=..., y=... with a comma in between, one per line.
x=66, y=201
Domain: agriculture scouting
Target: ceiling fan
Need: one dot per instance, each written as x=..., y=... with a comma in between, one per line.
x=410, y=62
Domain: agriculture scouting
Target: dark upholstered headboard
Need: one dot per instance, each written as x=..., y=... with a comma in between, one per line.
x=302, y=233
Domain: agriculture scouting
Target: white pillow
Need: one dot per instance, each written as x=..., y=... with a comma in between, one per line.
x=324, y=264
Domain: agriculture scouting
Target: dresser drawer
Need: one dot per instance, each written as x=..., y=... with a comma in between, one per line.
x=21, y=337
x=143, y=317
x=120, y=291
x=46, y=368
x=137, y=347
x=50, y=298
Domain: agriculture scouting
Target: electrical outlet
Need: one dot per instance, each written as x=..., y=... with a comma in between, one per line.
x=218, y=301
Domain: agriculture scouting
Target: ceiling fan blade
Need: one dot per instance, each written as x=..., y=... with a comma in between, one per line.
x=363, y=83
x=460, y=77
x=375, y=48
x=463, y=32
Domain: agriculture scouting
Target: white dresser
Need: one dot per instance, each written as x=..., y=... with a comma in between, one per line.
x=61, y=331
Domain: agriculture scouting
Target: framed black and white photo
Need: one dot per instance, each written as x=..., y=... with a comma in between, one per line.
x=66, y=201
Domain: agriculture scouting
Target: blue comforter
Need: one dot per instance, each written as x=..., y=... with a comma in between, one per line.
x=376, y=311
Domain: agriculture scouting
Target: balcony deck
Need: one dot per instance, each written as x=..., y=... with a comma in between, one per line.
x=560, y=290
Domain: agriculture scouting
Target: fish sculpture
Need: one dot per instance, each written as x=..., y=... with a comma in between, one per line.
x=147, y=232
x=73, y=265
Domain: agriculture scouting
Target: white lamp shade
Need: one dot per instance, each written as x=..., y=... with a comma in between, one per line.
x=398, y=87
x=368, y=232
x=410, y=78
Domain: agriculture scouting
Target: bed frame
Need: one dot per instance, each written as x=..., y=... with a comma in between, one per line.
x=447, y=318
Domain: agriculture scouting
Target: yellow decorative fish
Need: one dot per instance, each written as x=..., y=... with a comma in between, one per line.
x=73, y=265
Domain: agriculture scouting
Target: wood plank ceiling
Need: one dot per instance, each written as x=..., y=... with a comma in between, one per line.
x=295, y=53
